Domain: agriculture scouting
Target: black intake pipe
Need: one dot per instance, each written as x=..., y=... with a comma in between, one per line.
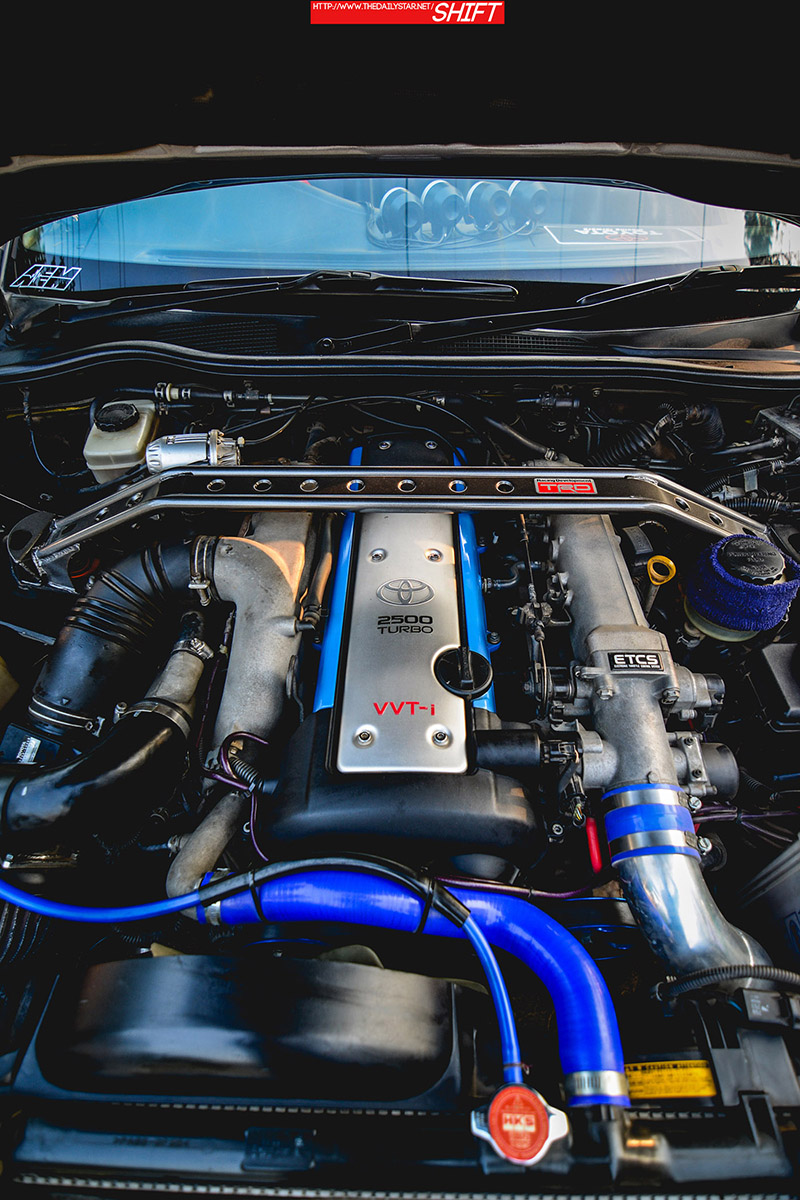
x=110, y=789
x=109, y=641
x=104, y=788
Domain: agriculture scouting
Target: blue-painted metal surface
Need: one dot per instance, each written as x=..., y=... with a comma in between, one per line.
x=474, y=607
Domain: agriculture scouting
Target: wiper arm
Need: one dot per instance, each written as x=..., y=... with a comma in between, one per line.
x=205, y=290
x=420, y=333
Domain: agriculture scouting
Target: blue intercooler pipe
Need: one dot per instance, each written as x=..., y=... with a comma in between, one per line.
x=588, y=1034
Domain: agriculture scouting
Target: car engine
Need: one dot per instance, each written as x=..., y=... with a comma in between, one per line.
x=399, y=779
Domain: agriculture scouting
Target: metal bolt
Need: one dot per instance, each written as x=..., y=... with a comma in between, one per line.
x=384, y=445
x=493, y=638
x=604, y=693
x=687, y=741
x=557, y=830
x=705, y=845
x=377, y=555
x=697, y=773
x=695, y=803
x=433, y=555
x=364, y=737
x=440, y=737
x=670, y=695
x=431, y=445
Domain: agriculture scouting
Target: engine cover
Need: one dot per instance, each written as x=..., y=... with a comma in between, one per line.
x=403, y=611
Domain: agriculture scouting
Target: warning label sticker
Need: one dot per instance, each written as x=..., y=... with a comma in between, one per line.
x=671, y=1080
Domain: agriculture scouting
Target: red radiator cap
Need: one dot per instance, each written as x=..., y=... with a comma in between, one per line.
x=519, y=1123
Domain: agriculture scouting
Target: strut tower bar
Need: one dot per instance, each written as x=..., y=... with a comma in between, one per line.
x=42, y=544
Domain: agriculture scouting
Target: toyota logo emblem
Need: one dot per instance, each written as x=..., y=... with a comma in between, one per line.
x=405, y=592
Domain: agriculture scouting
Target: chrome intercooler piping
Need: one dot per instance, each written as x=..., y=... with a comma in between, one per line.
x=648, y=824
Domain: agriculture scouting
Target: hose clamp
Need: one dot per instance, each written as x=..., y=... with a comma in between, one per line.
x=195, y=646
x=201, y=568
x=164, y=708
x=597, y=1087
x=73, y=722
x=646, y=819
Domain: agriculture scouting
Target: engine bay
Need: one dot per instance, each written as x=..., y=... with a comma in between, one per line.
x=400, y=779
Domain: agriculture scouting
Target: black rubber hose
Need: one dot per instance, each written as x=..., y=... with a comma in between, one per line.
x=767, y=506
x=755, y=791
x=21, y=934
x=536, y=448
x=109, y=790
x=312, y=605
x=245, y=772
x=736, y=474
x=633, y=441
x=706, y=978
x=110, y=639
x=703, y=426
x=701, y=423
x=728, y=452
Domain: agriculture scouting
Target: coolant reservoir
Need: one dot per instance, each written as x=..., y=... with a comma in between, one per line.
x=118, y=438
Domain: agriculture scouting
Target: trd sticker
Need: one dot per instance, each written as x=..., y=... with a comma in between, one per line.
x=48, y=278
x=625, y=660
x=565, y=487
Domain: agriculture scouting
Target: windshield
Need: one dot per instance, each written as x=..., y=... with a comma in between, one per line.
x=511, y=229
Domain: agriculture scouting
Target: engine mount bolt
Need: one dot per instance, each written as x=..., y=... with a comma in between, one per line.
x=440, y=737
x=377, y=555
x=705, y=845
x=364, y=737
x=384, y=445
x=695, y=803
x=433, y=555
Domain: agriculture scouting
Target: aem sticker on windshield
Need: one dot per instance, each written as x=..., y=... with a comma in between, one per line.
x=592, y=235
x=46, y=278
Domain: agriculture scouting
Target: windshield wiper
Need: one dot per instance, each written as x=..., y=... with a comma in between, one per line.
x=430, y=332
x=74, y=309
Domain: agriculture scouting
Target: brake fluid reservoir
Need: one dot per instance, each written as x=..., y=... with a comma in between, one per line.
x=118, y=438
